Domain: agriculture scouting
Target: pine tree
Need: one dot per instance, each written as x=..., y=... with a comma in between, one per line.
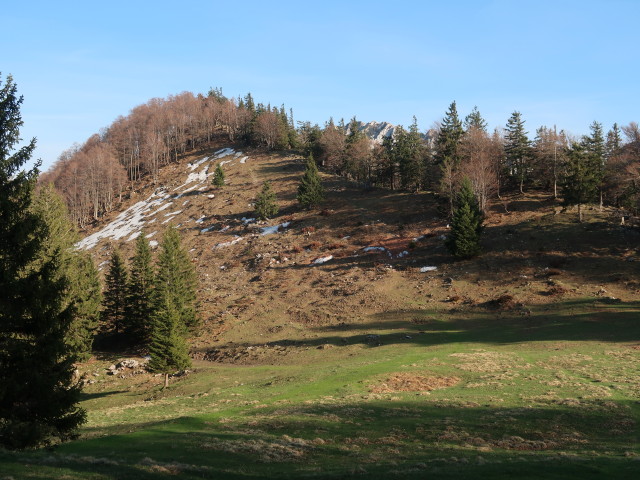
x=310, y=190
x=84, y=294
x=265, y=205
x=218, y=177
x=38, y=396
x=466, y=226
x=115, y=294
x=140, y=292
x=174, y=307
x=517, y=149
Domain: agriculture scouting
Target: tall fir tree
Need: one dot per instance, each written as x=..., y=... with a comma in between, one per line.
x=582, y=177
x=38, y=395
x=174, y=309
x=114, y=311
x=595, y=144
x=517, y=149
x=218, y=177
x=446, y=152
x=176, y=277
x=466, y=226
x=139, y=307
x=310, y=190
x=409, y=153
x=84, y=293
x=265, y=206
x=475, y=120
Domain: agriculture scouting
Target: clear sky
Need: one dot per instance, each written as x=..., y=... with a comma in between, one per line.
x=81, y=64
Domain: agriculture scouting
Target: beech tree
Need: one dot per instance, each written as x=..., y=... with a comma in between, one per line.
x=38, y=395
x=479, y=162
x=446, y=155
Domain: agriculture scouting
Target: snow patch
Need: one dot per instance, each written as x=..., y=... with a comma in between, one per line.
x=273, y=229
x=151, y=234
x=211, y=196
x=247, y=221
x=229, y=243
x=153, y=244
x=208, y=229
x=321, y=260
x=428, y=269
x=244, y=159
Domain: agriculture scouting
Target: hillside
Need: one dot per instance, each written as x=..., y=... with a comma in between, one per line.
x=346, y=342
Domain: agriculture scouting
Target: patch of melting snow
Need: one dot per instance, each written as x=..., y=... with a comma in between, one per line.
x=403, y=254
x=428, y=269
x=247, y=221
x=273, y=229
x=153, y=244
x=201, y=219
x=171, y=214
x=224, y=162
x=374, y=249
x=244, y=159
x=225, y=228
x=208, y=229
x=193, y=166
x=229, y=243
x=185, y=202
x=421, y=237
x=211, y=196
x=322, y=260
x=134, y=236
x=151, y=234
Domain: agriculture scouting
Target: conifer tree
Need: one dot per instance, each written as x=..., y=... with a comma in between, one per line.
x=446, y=155
x=466, y=226
x=409, y=154
x=517, y=149
x=475, y=120
x=176, y=278
x=140, y=292
x=115, y=294
x=218, y=177
x=84, y=293
x=595, y=144
x=38, y=396
x=265, y=205
x=310, y=190
x=174, y=307
x=582, y=177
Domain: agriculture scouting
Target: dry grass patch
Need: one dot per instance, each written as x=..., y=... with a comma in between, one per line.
x=482, y=361
x=285, y=449
x=406, y=382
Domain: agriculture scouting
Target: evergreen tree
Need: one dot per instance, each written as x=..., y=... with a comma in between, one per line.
x=409, y=154
x=446, y=155
x=266, y=206
x=176, y=279
x=38, y=396
x=310, y=190
x=84, y=294
x=582, y=177
x=475, y=120
x=517, y=149
x=115, y=295
x=218, y=177
x=140, y=292
x=466, y=227
x=613, y=143
x=595, y=144
x=174, y=309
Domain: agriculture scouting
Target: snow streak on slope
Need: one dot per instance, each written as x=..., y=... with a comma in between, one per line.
x=130, y=222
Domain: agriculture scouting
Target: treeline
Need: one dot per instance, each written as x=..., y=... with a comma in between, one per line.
x=605, y=167
x=93, y=177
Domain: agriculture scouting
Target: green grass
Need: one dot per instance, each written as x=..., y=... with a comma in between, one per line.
x=551, y=394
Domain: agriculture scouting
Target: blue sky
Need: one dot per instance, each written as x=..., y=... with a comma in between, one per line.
x=80, y=65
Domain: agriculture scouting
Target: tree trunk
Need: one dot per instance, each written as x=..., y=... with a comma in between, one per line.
x=166, y=380
x=580, y=212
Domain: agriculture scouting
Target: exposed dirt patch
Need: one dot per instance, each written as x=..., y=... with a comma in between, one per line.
x=406, y=382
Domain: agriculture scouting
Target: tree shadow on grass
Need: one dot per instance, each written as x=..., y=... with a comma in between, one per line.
x=381, y=437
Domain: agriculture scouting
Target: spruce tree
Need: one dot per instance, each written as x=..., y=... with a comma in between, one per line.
x=115, y=295
x=310, y=191
x=447, y=155
x=84, y=293
x=466, y=226
x=140, y=292
x=409, y=154
x=174, y=309
x=517, y=149
x=218, y=177
x=265, y=205
x=596, y=146
x=475, y=120
x=582, y=177
x=176, y=278
x=38, y=395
